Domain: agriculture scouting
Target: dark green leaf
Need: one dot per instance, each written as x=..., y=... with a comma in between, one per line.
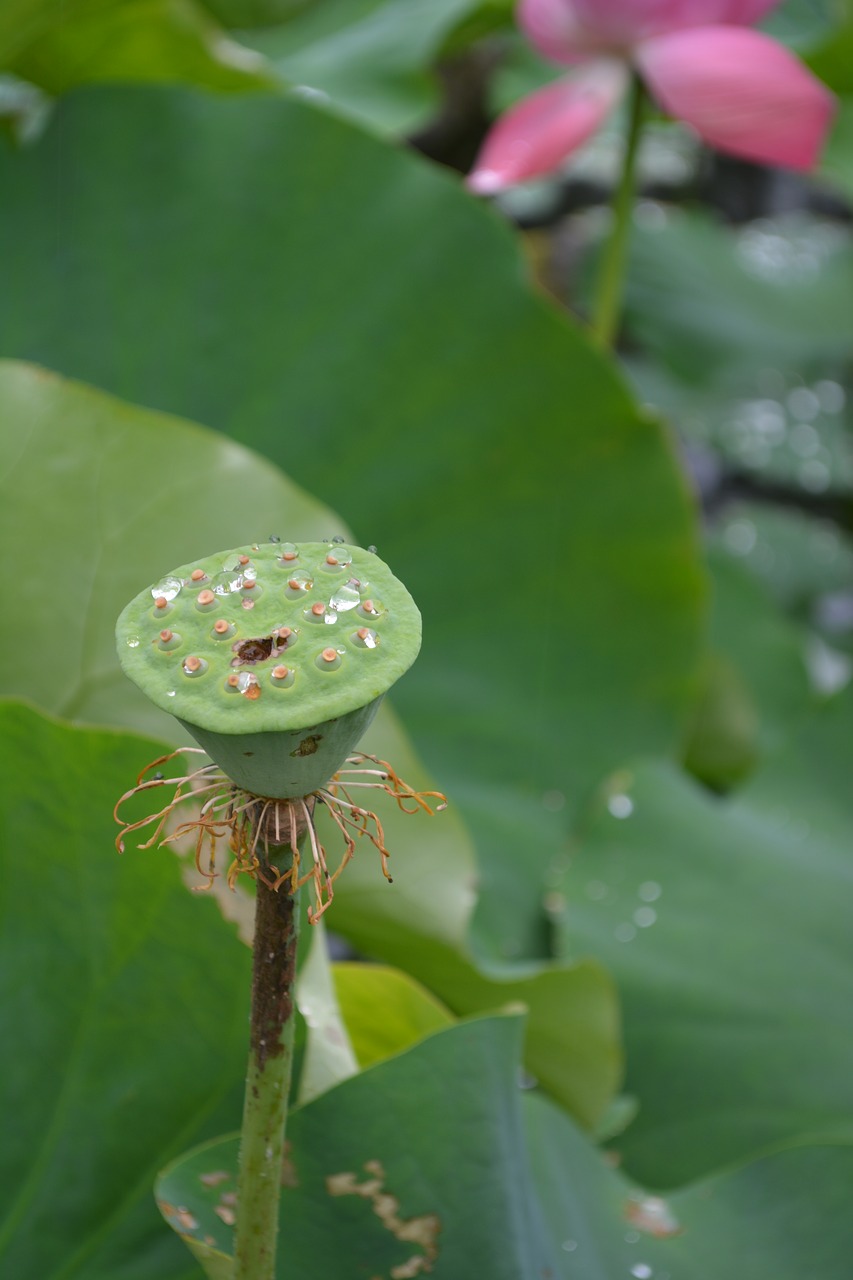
x=439, y=1129
x=124, y=1008
x=758, y=687
x=727, y=926
x=783, y=1216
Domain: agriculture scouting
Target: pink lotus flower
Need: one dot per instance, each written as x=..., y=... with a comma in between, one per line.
x=739, y=90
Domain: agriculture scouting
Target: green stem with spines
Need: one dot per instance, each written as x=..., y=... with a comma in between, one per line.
x=268, y=1076
x=611, y=276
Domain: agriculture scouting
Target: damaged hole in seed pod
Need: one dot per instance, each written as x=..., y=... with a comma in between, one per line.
x=222, y=629
x=168, y=640
x=205, y=601
x=194, y=666
x=260, y=648
x=328, y=660
x=282, y=677
x=251, y=651
x=345, y=696
x=365, y=638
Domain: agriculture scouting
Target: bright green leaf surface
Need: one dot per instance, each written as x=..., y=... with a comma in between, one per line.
x=86, y=41
x=385, y=1011
x=122, y=494
x=407, y=371
x=439, y=1129
x=727, y=925
x=124, y=1009
x=107, y=497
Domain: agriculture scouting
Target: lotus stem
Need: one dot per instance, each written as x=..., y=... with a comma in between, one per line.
x=611, y=280
x=269, y=1070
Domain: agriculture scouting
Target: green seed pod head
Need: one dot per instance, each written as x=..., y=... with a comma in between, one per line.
x=275, y=656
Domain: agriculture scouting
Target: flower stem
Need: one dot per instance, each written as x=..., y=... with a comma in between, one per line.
x=268, y=1076
x=608, y=298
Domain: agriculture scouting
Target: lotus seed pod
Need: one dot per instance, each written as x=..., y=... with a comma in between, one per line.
x=275, y=657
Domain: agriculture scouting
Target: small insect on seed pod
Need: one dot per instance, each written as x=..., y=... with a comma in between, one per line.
x=265, y=660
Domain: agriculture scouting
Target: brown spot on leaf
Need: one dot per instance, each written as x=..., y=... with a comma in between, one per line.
x=422, y=1231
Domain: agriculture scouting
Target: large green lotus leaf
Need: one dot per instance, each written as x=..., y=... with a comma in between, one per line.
x=374, y=59
x=785, y=1215
x=123, y=1008
x=121, y=495
x=417, y=1165
x=86, y=41
x=406, y=369
x=727, y=925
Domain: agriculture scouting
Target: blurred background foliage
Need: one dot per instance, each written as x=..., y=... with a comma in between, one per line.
x=245, y=294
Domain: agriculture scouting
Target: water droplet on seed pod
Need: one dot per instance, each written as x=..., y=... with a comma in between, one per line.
x=167, y=589
x=345, y=597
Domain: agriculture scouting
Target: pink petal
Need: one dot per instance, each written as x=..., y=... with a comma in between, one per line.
x=537, y=135
x=741, y=91
x=570, y=31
